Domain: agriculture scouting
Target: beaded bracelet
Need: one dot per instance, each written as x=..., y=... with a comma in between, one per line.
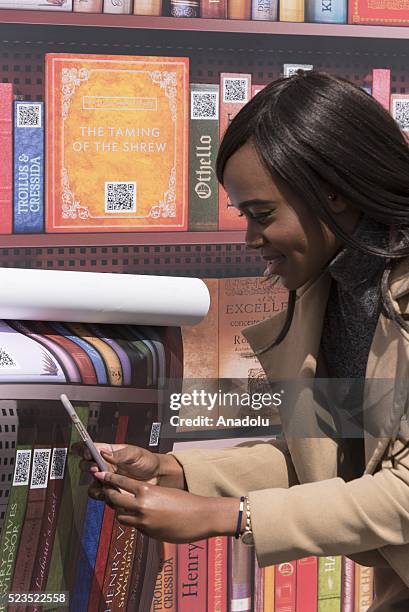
x=241, y=508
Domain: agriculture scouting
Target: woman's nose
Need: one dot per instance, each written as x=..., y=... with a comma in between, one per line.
x=254, y=239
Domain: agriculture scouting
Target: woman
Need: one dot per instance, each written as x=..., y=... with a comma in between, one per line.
x=321, y=172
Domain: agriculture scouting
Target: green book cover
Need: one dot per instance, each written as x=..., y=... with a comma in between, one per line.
x=329, y=584
x=203, y=148
x=14, y=519
x=73, y=502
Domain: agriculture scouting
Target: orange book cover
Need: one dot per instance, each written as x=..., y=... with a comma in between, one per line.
x=117, y=143
x=235, y=92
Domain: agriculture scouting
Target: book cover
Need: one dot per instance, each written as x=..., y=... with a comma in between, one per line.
x=203, y=147
x=25, y=360
x=292, y=10
x=165, y=595
x=285, y=586
x=400, y=111
x=121, y=7
x=307, y=582
x=192, y=576
x=379, y=12
x=329, y=584
x=14, y=518
x=147, y=7
x=113, y=123
x=258, y=597
x=326, y=11
x=269, y=588
x=6, y=147
x=184, y=8
x=347, y=585
x=28, y=197
x=37, y=5
x=381, y=86
x=239, y=9
x=235, y=92
x=217, y=572
x=87, y=6
x=363, y=587
x=240, y=576
x=264, y=10
x=216, y=9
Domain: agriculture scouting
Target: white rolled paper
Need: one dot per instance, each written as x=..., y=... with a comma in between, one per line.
x=89, y=297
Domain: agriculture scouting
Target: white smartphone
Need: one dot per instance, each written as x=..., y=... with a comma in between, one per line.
x=85, y=437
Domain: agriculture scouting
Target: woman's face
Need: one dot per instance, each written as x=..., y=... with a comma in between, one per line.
x=293, y=241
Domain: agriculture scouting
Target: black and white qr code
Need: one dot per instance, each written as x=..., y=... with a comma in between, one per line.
x=22, y=468
x=235, y=90
x=204, y=105
x=6, y=361
x=400, y=110
x=120, y=197
x=155, y=432
x=29, y=115
x=41, y=464
x=58, y=463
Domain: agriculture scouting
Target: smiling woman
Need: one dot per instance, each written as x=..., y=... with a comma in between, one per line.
x=321, y=172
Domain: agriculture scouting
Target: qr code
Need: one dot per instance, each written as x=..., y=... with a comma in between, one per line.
x=6, y=361
x=29, y=115
x=235, y=90
x=41, y=463
x=154, y=437
x=58, y=463
x=204, y=105
x=292, y=69
x=22, y=468
x=120, y=197
x=401, y=113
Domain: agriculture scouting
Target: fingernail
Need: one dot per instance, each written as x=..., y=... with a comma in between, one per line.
x=105, y=452
x=99, y=475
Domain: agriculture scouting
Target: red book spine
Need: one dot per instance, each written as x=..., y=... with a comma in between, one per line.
x=285, y=586
x=217, y=574
x=164, y=594
x=106, y=532
x=381, y=86
x=192, y=576
x=118, y=569
x=235, y=92
x=213, y=9
x=6, y=165
x=348, y=585
x=307, y=584
x=80, y=357
x=387, y=12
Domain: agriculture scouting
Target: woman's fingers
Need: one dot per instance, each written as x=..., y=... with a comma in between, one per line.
x=118, y=481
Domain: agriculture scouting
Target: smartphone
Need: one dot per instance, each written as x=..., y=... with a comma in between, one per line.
x=85, y=437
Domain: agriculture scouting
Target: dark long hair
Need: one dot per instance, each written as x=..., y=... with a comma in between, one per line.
x=314, y=127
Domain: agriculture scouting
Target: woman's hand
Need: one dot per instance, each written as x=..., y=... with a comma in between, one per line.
x=168, y=514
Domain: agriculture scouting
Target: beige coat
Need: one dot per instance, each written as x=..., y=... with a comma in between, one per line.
x=299, y=505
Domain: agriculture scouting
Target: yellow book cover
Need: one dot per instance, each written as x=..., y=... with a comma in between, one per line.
x=292, y=10
x=117, y=143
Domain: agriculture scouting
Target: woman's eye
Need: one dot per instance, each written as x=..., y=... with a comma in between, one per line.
x=262, y=217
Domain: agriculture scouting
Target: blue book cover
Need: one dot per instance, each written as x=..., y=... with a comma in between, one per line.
x=326, y=11
x=28, y=213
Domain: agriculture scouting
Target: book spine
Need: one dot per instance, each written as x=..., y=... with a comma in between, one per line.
x=118, y=7
x=329, y=584
x=184, y=8
x=217, y=573
x=235, y=92
x=363, y=587
x=264, y=10
x=347, y=585
x=239, y=9
x=307, y=581
x=87, y=6
x=138, y=573
x=291, y=10
x=269, y=589
x=37, y=5
x=378, y=13
x=14, y=518
x=285, y=586
x=105, y=535
x=203, y=147
x=28, y=156
x=192, y=576
x=240, y=579
x=326, y=11
x=381, y=86
x=216, y=9
x=258, y=586
x=117, y=348
x=165, y=594
x=6, y=166
x=148, y=7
